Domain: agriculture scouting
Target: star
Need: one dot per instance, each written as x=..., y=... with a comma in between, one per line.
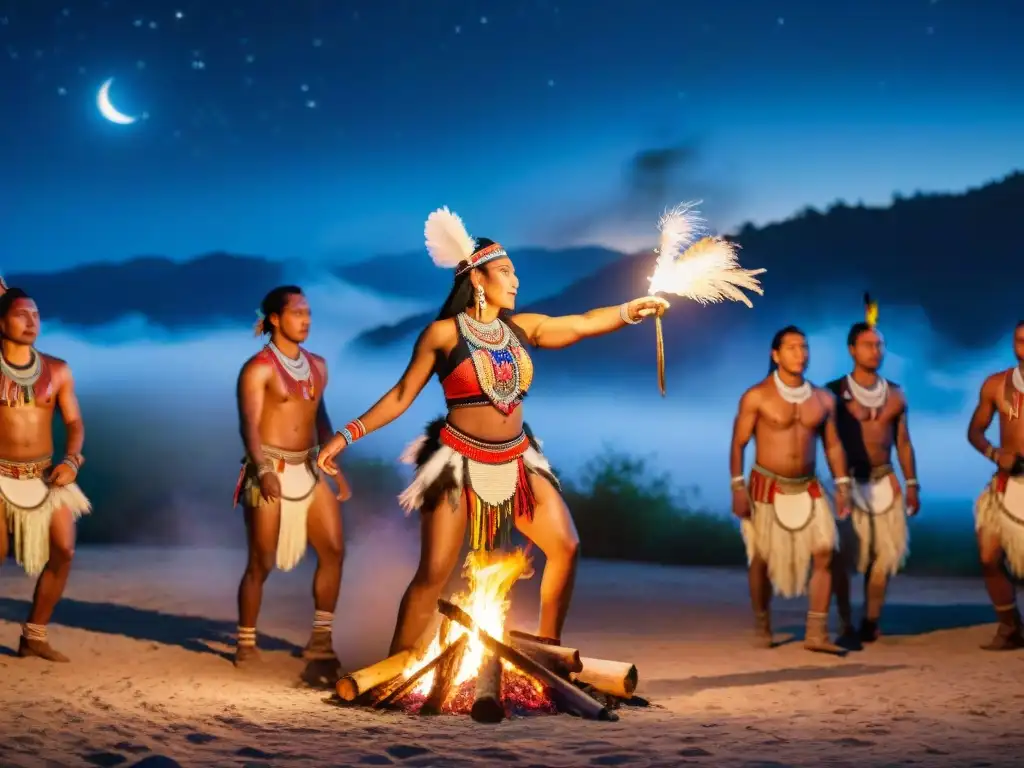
x=458, y=29
x=62, y=91
x=780, y=21
x=551, y=83
x=483, y=19
x=304, y=88
x=311, y=104
x=929, y=30
x=179, y=15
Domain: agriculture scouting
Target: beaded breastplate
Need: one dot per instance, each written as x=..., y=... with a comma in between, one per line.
x=503, y=368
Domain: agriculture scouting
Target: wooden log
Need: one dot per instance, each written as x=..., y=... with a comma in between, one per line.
x=559, y=659
x=520, y=635
x=355, y=683
x=619, y=678
x=570, y=698
x=454, y=648
x=487, y=707
x=444, y=679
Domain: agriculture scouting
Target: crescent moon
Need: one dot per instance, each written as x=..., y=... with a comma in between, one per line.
x=107, y=109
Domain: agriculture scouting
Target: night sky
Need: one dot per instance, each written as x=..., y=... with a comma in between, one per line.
x=300, y=129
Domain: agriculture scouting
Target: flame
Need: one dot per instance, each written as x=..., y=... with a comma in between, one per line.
x=490, y=577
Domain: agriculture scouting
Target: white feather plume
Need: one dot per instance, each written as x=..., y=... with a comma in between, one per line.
x=447, y=240
x=707, y=272
x=679, y=226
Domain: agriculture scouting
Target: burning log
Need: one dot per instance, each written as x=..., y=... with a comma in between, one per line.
x=572, y=699
x=353, y=685
x=445, y=677
x=618, y=678
x=454, y=649
x=559, y=659
x=487, y=707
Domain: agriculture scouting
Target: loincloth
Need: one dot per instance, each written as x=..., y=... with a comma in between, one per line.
x=877, y=536
x=790, y=521
x=299, y=476
x=493, y=477
x=999, y=512
x=30, y=504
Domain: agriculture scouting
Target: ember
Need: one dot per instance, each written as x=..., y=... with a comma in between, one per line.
x=467, y=669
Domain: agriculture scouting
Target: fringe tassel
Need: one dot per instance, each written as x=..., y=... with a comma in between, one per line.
x=490, y=525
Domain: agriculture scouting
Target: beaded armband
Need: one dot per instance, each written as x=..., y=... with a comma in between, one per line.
x=353, y=431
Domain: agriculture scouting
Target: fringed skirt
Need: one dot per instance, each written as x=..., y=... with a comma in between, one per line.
x=493, y=478
x=999, y=512
x=791, y=520
x=299, y=476
x=30, y=504
x=878, y=524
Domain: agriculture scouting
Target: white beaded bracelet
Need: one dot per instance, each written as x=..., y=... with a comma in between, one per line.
x=624, y=314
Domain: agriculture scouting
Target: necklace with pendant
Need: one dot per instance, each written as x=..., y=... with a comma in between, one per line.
x=795, y=395
x=19, y=383
x=872, y=398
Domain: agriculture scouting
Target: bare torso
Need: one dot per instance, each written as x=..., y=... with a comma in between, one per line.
x=786, y=434
x=868, y=438
x=1011, y=428
x=288, y=421
x=484, y=422
x=26, y=432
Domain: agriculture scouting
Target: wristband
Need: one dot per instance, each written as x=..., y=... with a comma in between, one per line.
x=353, y=431
x=264, y=469
x=913, y=483
x=624, y=314
x=74, y=460
x=992, y=454
x=737, y=482
x=844, y=480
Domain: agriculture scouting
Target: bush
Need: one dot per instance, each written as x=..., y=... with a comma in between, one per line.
x=624, y=511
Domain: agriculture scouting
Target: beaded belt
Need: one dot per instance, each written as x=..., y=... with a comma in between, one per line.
x=24, y=470
x=290, y=457
x=481, y=450
x=764, y=485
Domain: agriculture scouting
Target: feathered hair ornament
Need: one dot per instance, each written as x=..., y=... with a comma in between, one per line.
x=870, y=310
x=697, y=266
x=257, y=328
x=3, y=286
x=447, y=240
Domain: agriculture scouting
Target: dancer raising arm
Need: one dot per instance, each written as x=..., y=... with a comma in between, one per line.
x=480, y=466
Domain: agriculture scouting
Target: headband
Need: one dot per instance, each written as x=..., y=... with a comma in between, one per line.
x=449, y=244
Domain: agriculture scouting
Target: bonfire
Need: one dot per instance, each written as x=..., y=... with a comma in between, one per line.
x=473, y=665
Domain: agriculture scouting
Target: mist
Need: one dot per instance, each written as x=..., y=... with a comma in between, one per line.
x=166, y=403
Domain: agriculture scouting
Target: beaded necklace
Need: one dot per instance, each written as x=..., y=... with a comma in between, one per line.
x=794, y=395
x=19, y=382
x=494, y=350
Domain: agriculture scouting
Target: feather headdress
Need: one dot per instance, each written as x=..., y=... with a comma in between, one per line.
x=870, y=310
x=708, y=270
x=3, y=286
x=448, y=242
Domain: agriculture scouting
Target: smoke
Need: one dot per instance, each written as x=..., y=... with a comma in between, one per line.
x=652, y=179
x=163, y=448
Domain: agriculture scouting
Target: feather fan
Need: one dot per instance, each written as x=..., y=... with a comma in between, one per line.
x=707, y=272
x=447, y=240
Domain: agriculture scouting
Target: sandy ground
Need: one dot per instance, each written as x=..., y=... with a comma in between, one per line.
x=149, y=685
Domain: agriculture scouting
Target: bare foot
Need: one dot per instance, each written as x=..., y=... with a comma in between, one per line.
x=40, y=649
x=247, y=655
